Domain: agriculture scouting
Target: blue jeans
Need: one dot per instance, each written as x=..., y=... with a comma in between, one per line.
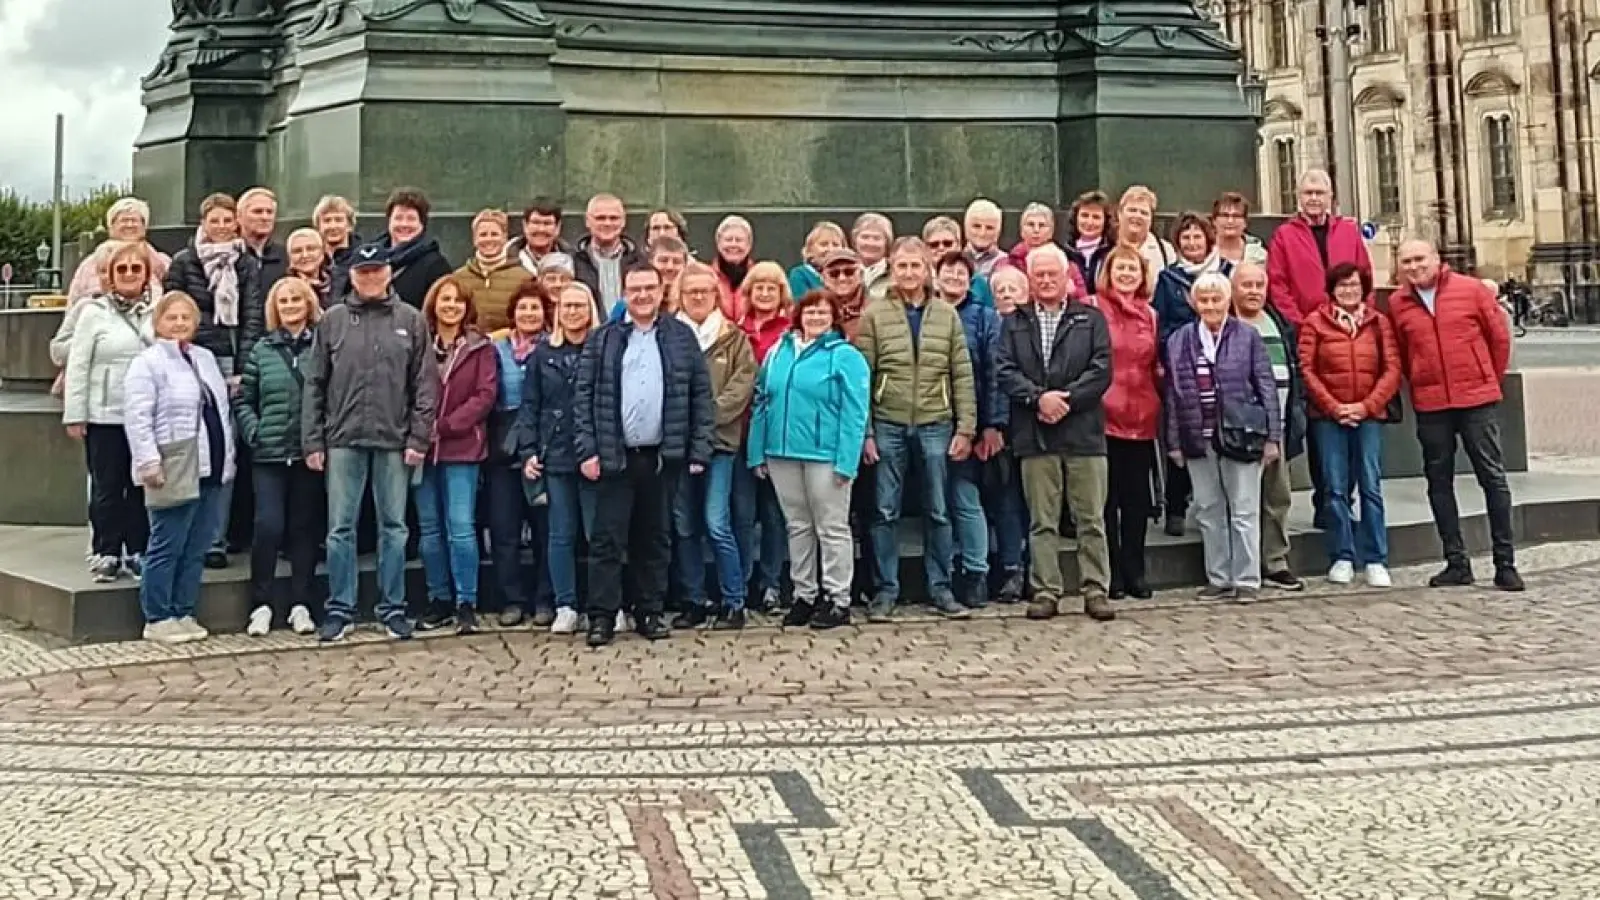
x=704, y=515
x=756, y=503
x=896, y=443
x=1007, y=510
x=572, y=508
x=969, y=526
x=447, y=516
x=348, y=473
x=1353, y=456
x=175, y=559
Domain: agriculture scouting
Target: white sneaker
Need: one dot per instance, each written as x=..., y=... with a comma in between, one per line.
x=624, y=621
x=300, y=621
x=260, y=622
x=566, y=621
x=1378, y=576
x=1343, y=572
x=192, y=630
x=166, y=631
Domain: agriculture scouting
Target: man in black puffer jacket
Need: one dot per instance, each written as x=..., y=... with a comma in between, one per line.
x=642, y=414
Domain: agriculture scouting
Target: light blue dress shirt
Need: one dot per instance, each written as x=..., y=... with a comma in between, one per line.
x=644, y=386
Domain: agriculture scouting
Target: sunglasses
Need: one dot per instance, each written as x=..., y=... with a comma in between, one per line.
x=128, y=269
x=841, y=272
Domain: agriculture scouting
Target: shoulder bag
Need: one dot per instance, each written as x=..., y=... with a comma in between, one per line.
x=180, y=466
x=1242, y=428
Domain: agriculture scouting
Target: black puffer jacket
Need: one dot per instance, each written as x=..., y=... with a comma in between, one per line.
x=584, y=269
x=273, y=261
x=417, y=266
x=188, y=274
x=544, y=427
x=687, y=417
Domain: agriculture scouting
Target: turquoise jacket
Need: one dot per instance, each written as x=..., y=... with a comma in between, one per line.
x=811, y=404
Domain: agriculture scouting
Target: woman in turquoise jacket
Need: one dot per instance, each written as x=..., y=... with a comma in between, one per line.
x=806, y=435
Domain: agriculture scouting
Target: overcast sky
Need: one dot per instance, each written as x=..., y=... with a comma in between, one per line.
x=84, y=59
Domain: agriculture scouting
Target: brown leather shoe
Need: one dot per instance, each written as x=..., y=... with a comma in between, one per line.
x=1043, y=606
x=1097, y=607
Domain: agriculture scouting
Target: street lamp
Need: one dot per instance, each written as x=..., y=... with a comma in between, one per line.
x=42, y=253
x=44, y=278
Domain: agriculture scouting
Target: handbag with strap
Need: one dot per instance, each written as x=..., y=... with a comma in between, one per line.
x=1242, y=431
x=180, y=469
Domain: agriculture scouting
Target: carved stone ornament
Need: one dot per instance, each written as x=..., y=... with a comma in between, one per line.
x=1100, y=38
x=190, y=11
x=331, y=14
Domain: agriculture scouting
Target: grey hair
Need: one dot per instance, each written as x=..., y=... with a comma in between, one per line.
x=870, y=221
x=128, y=205
x=1050, y=250
x=983, y=208
x=1317, y=177
x=732, y=222
x=1213, y=282
x=1039, y=209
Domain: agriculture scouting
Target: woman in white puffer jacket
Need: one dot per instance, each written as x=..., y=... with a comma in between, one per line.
x=112, y=328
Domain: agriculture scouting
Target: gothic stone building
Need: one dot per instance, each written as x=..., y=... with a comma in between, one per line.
x=1474, y=125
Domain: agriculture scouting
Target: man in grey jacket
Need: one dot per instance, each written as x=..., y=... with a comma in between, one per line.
x=370, y=396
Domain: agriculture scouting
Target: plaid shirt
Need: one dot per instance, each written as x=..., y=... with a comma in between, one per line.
x=1049, y=324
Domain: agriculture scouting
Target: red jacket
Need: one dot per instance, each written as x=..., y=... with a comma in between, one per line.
x=1455, y=356
x=1297, y=281
x=1338, y=367
x=765, y=336
x=468, y=388
x=1133, y=402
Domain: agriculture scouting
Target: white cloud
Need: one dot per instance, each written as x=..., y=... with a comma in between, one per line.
x=82, y=59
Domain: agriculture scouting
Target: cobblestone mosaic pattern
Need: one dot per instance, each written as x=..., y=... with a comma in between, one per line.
x=1408, y=744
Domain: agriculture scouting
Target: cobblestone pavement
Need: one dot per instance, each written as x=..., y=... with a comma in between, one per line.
x=1338, y=744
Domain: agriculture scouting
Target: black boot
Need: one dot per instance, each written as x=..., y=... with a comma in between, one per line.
x=1010, y=589
x=799, y=614
x=830, y=615
x=1507, y=579
x=1456, y=573
x=652, y=628
x=693, y=617
x=602, y=629
x=729, y=620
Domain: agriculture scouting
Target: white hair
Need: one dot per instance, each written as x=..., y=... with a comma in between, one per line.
x=1048, y=250
x=1039, y=209
x=1213, y=282
x=128, y=205
x=732, y=222
x=983, y=208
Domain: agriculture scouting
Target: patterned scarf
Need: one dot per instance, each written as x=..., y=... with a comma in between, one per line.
x=1349, y=320
x=221, y=261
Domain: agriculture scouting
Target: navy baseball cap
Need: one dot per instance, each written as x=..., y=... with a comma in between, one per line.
x=370, y=256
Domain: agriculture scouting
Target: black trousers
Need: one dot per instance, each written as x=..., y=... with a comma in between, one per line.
x=1478, y=430
x=117, y=517
x=507, y=509
x=863, y=506
x=1319, y=486
x=242, y=505
x=289, y=509
x=1176, y=491
x=633, y=535
x=1130, y=468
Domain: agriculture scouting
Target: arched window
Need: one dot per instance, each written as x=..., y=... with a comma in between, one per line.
x=1386, y=171
x=1286, y=171
x=1500, y=155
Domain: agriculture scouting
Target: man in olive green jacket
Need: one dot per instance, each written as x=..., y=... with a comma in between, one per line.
x=923, y=401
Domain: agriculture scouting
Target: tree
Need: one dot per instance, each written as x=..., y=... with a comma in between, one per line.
x=25, y=223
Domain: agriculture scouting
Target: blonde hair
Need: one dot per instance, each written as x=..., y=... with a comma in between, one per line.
x=331, y=203
x=496, y=216
x=306, y=233
x=817, y=232
x=766, y=270
x=939, y=224
x=291, y=284
x=115, y=250
x=1137, y=193
x=983, y=208
x=128, y=205
x=167, y=301
x=557, y=334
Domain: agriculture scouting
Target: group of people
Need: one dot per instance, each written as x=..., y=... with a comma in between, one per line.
x=710, y=430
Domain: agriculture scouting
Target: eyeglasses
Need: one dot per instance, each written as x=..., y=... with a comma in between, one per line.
x=840, y=272
x=128, y=269
x=942, y=245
